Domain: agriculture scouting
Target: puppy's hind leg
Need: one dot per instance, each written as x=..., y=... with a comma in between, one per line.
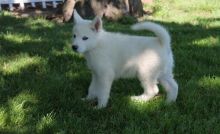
x=171, y=87
x=150, y=89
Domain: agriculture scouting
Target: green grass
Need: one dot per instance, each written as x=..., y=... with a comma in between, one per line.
x=42, y=79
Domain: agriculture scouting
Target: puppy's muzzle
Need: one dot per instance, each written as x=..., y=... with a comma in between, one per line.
x=74, y=47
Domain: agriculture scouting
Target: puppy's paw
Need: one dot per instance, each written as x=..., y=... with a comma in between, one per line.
x=102, y=104
x=97, y=107
x=170, y=100
x=142, y=98
x=84, y=99
x=171, y=97
x=88, y=98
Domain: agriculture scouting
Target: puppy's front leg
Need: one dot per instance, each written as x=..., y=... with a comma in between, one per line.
x=92, y=92
x=103, y=86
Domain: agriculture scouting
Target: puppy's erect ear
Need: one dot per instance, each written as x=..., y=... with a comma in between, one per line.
x=97, y=24
x=77, y=17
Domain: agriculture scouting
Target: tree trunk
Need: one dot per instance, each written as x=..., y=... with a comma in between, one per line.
x=110, y=9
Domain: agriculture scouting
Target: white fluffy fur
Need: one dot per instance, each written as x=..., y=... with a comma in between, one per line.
x=113, y=55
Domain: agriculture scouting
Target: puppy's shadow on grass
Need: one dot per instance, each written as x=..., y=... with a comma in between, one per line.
x=58, y=78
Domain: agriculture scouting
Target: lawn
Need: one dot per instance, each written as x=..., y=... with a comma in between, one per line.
x=42, y=79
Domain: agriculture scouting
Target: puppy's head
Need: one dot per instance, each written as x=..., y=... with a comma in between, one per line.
x=85, y=33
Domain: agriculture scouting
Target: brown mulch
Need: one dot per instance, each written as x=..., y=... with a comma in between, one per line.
x=50, y=13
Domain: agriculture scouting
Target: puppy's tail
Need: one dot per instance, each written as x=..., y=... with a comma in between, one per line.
x=157, y=29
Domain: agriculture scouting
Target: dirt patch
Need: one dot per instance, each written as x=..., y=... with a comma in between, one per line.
x=50, y=13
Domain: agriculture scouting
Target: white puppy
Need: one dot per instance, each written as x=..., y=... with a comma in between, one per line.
x=113, y=55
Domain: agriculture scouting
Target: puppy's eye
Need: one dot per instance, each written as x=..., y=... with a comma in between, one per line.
x=84, y=38
x=74, y=36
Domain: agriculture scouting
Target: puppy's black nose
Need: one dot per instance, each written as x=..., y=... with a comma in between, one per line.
x=74, y=47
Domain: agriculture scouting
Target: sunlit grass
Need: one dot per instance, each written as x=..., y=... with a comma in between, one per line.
x=184, y=11
x=39, y=23
x=46, y=123
x=209, y=41
x=210, y=82
x=21, y=61
x=17, y=113
x=19, y=38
